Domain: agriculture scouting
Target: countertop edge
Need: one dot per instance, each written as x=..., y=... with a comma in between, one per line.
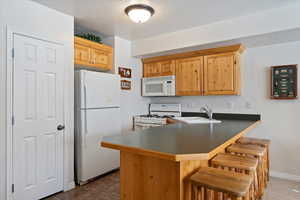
x=180, y=157
x=232, y=140
x=140, y=151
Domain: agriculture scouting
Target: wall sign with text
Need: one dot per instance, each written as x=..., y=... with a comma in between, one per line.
x=125, y=72
x=125, y=85
x=284, y=82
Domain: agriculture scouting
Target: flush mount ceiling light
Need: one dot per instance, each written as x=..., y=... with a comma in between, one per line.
x=139, y=13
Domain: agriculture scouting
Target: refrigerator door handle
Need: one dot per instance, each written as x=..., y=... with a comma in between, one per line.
x=85, y=118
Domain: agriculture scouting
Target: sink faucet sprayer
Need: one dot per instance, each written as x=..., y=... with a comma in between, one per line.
x=208, y=111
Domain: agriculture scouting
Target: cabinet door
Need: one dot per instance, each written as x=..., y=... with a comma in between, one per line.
x=167, y=68
x=100, y=59
x=221, y=74
x=189, y=74
x=151, y=69
x=82, y=55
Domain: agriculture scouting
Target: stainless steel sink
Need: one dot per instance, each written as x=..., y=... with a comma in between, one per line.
x=197, y=120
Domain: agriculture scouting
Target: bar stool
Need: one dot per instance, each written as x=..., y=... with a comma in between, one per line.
x=238, y=164
x=255, y=151
x=261, y=142
x=216, y=184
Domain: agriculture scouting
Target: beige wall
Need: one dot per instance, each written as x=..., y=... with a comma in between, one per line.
x=132, y=103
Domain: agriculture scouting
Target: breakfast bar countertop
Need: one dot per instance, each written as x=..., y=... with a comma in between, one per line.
x=181, y=141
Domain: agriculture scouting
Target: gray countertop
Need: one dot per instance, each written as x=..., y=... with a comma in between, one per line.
x=181, y=138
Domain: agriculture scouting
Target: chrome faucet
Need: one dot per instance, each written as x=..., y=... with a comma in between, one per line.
x=208, y=111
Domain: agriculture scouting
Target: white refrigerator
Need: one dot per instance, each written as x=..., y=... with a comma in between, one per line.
x=97, y=114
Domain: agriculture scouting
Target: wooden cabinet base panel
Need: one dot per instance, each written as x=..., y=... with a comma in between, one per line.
x=149, y=178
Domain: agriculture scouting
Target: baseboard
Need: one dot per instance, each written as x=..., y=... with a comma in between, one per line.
x=286, y=176
x=70, y=186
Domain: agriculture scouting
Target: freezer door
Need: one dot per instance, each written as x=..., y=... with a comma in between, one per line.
x=92, y=159
x=100, y=90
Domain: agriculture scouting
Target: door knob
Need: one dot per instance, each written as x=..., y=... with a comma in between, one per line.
x=60, y=127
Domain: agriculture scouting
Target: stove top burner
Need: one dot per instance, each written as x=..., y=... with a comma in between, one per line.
x=158, y=116
x=168, y=116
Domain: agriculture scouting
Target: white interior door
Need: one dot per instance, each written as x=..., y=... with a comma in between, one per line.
x=38, y=110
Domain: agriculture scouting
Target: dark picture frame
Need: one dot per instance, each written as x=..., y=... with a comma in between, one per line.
x=125, y=72
x=125, y=85
x=284, y=82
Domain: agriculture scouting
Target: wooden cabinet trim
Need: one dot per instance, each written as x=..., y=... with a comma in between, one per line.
x=233, y=48
x=94, y=51
x=91, y=44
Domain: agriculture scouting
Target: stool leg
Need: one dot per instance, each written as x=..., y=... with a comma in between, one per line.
x=202, y=193
x=247, y=197
x=266, y=159
x=261, y=178
x=194, y=192
x=225, y=196
x=255, y=186
x=219, y=196
x=199, y=194
x=209, y=194
x=268, y=163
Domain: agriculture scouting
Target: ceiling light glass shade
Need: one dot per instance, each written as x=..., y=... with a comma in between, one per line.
x=139, y=13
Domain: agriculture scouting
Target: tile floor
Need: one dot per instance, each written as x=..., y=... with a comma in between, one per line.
x=107, y=188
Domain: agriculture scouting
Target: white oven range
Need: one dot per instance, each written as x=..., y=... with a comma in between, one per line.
x=158, y=116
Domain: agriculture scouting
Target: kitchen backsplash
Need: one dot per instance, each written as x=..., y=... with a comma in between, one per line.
x=232, y=104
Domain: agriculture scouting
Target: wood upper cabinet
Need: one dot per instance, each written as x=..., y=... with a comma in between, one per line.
x=189, y=76
x=82, y=55
x=92, y=54
x=167, y=68
x=151, y=69
x=222, y=74
x=101, y=59
x=163, y=68
x=203, y=72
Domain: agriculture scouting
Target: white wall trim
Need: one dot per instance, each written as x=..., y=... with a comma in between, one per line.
x=9, y=113
x=70, y=186
x=3, y=113
x=68, y=177
x=282, y=175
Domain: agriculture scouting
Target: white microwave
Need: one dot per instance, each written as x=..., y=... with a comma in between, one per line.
x=159, y=86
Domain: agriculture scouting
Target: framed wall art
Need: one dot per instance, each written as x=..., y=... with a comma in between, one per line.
x=125, y=72
x=284, y=82
x=125, y=85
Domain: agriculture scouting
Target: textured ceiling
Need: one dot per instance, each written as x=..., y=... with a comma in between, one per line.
x=108, y=18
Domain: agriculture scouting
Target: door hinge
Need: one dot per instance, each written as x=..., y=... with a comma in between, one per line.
x=13, y=188
x=13, y=120
x=13, y=53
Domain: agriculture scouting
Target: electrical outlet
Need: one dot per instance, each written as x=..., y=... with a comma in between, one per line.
x=230, y=105
x=248, y=105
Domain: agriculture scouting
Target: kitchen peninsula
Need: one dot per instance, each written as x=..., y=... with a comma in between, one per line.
x=156, y=162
